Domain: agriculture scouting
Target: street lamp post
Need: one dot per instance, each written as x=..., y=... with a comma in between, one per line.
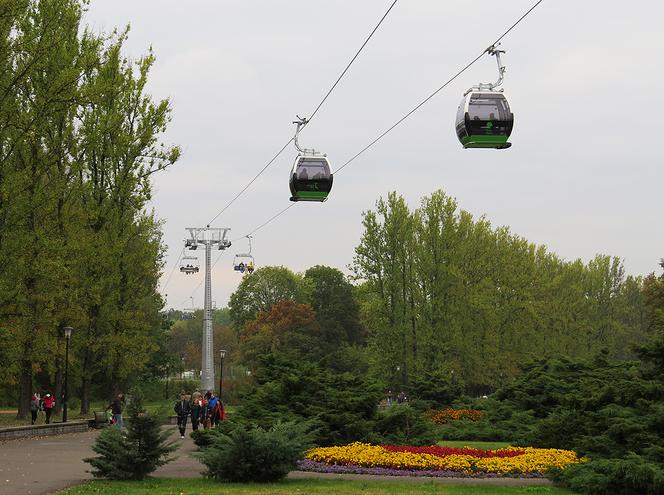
x=68, y=331
x=222, y=354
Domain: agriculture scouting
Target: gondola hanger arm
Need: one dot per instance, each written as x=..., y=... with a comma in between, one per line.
x=301, y=124
x=494, y=51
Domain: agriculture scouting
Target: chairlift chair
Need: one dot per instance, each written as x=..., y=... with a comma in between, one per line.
x=244, y=262
x=189, y=265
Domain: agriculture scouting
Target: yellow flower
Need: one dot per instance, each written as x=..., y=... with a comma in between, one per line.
x=362, y=454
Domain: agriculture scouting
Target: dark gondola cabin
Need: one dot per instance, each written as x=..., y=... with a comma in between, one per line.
x=484, y=120
x=310, y=178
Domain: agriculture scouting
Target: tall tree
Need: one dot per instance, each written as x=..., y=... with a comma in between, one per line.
x=79, y=141
x=262, y=290
x=333, y=300
x=447, y=295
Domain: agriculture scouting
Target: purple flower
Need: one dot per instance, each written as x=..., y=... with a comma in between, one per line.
x=321, y=467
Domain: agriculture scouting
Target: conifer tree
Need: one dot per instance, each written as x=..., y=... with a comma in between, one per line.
x=134, y=453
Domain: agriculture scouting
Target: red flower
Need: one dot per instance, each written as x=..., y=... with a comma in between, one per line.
x=445, y=451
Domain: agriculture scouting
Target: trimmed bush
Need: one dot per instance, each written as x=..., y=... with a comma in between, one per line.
x=254, y=454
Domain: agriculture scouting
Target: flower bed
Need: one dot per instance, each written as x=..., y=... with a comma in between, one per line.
x=436, y=461
x=444, y=416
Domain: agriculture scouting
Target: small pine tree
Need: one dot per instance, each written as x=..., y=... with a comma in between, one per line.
x=134, y=453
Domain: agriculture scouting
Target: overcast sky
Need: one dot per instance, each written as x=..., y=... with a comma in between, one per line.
x=584, y=175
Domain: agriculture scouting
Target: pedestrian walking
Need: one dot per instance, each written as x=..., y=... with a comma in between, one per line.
x=48, y=404
x=116, y=407
x=35, y=406
x=214, y=408
x=218, y=413
x=182, y=409
x=196, y=408
x=206, y=411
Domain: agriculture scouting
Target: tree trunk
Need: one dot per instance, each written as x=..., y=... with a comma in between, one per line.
x=85, y=385
x=25, y=390
x=87, y=359
x=58, y=392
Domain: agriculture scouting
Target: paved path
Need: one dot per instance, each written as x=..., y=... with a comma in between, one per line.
x=35, y=466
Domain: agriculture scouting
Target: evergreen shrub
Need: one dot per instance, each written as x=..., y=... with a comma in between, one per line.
x=633, y=475
x=134, y=453
x=499, y=422
x=204, y=438
x=402, y=425
x=342, y=406
x=253, y=454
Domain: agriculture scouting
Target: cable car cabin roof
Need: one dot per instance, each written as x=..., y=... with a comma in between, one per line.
x=484, y=120
x=310, y=178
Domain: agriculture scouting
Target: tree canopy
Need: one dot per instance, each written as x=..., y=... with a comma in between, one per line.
x=79, y=142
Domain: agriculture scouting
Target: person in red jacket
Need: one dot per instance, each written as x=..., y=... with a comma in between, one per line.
x=219, y=413
x=48, y=404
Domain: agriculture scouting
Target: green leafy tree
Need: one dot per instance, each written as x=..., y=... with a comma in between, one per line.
x=79, y=142
x=333, y=300
x=262, y=290
x=444, y=294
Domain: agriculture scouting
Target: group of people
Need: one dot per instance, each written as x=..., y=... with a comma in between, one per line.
x=46, y=404
x=241, y=267
x=390, y=400
x=206, y=410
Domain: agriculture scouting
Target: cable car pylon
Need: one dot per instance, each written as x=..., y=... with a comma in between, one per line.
x=207, y=237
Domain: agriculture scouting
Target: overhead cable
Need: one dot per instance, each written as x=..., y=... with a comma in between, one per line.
x=423, y=102
x=397, y=123
x=343, y=73
x=173, y=270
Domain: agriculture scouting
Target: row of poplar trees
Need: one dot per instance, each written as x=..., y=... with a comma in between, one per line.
x=449, y=297
x=79, y=142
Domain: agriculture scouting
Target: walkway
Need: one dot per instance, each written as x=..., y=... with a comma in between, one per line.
x=35, y=466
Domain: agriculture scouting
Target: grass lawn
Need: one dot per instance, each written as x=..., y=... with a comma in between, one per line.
x=475, y=445
x=9, y=419
x=199, y=486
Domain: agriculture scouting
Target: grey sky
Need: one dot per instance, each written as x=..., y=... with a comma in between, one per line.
x=583, y=177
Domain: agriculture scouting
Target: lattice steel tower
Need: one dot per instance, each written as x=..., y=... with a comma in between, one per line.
x=209, y=238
